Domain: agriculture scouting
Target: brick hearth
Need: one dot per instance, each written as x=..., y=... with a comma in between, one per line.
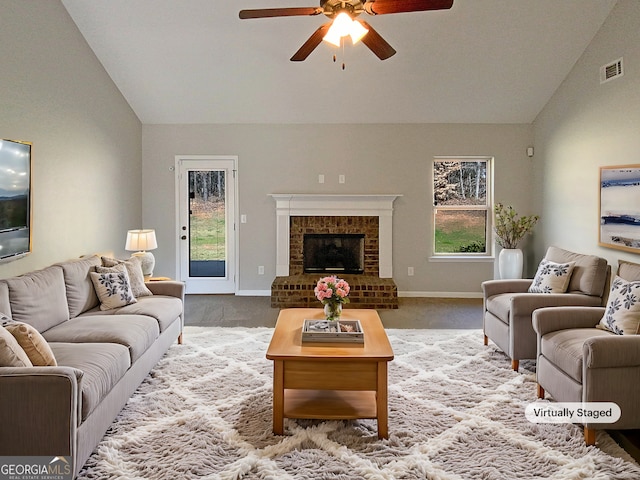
x=367, y=291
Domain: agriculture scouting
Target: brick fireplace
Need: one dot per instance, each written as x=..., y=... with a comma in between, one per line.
x=369, y=216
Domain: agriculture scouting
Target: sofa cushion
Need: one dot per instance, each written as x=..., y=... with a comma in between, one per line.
x=563, y=348
x=113, y=289
x=552, y=277
x=589, y=273
x=32, y=342
x=627, y=270
x=500, y=305
x=164, y=309
x=137, y=333
x=81, y=295
x=102, y=365
x=622, y=315
x=134, y=269
x=39, y=298
x=11, y=353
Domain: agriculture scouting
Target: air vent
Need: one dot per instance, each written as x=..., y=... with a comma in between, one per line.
x=611, y=71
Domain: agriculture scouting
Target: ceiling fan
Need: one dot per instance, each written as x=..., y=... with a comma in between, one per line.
x=343, y=15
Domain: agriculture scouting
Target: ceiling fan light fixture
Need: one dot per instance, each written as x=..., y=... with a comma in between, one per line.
x=333, y=38
x=357, y=31
x=342, y=26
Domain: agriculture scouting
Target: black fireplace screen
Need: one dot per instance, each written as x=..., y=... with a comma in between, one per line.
x=333, y=253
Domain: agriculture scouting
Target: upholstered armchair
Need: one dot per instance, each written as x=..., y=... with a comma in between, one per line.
x=580, y=358
x=508, y=304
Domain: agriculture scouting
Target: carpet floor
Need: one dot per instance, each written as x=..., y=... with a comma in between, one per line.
x=456, y=411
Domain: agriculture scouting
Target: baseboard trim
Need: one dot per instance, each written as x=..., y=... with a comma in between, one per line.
x=253, y=293
x=409, y=294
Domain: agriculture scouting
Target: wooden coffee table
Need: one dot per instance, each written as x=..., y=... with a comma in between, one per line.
x=329, y=380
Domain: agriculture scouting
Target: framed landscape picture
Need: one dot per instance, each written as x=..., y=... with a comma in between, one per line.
x=620, y=207
x=15, y=199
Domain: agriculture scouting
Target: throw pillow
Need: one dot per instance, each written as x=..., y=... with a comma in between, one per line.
x=113, y=289
x=622, y=315
x=33, y=344
x=552, y=277
x=11, y=353
x=134, y=269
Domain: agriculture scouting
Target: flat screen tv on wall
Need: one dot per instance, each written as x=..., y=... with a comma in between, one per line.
x=15, y=199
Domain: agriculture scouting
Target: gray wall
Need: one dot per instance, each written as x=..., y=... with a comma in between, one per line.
x=86, y=158
x=374, y=158
x=584, y=126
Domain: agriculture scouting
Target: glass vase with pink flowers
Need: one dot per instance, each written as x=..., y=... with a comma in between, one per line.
x=333, y=292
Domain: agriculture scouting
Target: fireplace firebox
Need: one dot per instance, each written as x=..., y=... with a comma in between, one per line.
x=333, y=253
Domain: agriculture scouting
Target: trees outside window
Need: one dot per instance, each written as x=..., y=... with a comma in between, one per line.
x=462, y=205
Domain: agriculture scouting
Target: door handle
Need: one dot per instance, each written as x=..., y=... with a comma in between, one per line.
x=183, y=237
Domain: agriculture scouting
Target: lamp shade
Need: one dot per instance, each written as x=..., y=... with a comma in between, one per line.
x=141, y=240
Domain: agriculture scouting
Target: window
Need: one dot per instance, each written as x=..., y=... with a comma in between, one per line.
x=462, y=206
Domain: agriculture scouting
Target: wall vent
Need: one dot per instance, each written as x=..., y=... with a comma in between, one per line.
x=611, y=70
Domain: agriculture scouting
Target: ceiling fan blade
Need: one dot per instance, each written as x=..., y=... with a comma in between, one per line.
x=382, y=7
x=376, y=43
x=310, y=45
x=280, y=12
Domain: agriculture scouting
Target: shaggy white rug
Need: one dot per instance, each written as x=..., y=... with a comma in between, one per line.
x=456, y=411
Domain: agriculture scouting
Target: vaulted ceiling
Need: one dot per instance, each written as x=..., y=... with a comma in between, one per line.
x=195, y=61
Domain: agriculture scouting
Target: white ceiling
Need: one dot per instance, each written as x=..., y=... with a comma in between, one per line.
x=195, y=61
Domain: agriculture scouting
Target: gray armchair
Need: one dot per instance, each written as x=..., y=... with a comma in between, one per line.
x=508, y=306
x=577, y=362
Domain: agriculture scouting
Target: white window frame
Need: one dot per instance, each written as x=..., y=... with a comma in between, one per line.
x=489, y=255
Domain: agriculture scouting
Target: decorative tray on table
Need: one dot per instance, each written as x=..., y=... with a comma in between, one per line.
x=348, y=331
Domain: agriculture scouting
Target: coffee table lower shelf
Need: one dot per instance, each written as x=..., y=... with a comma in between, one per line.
x=329, y=404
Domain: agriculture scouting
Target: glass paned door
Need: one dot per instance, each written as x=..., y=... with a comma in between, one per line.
x=206, y=202
x=207, y=223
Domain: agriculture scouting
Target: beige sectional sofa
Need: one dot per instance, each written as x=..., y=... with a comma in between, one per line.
x=102, y=356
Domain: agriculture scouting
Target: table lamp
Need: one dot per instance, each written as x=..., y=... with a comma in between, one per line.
x=139, y=241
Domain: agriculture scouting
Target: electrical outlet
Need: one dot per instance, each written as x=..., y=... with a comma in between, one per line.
x=261, y=270
x=341, y=179
x=410, y=271
x=321, y=178
x=243, y=219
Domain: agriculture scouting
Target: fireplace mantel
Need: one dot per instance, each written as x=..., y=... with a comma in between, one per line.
x=295, y=204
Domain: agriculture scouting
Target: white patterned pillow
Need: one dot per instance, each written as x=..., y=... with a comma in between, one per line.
x=134, y=270
x=113, y=289
x=622, y=315
x=552, y=277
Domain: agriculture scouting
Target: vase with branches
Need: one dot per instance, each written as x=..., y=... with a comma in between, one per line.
x=510, y=229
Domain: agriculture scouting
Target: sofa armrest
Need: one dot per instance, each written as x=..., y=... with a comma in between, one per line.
x=523, y=305
x=612, y=351
x=171, y=288
x=550, y=319
x=39, y=410
x=496, y=287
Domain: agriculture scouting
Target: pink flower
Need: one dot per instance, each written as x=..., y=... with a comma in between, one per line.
x=332, y=289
